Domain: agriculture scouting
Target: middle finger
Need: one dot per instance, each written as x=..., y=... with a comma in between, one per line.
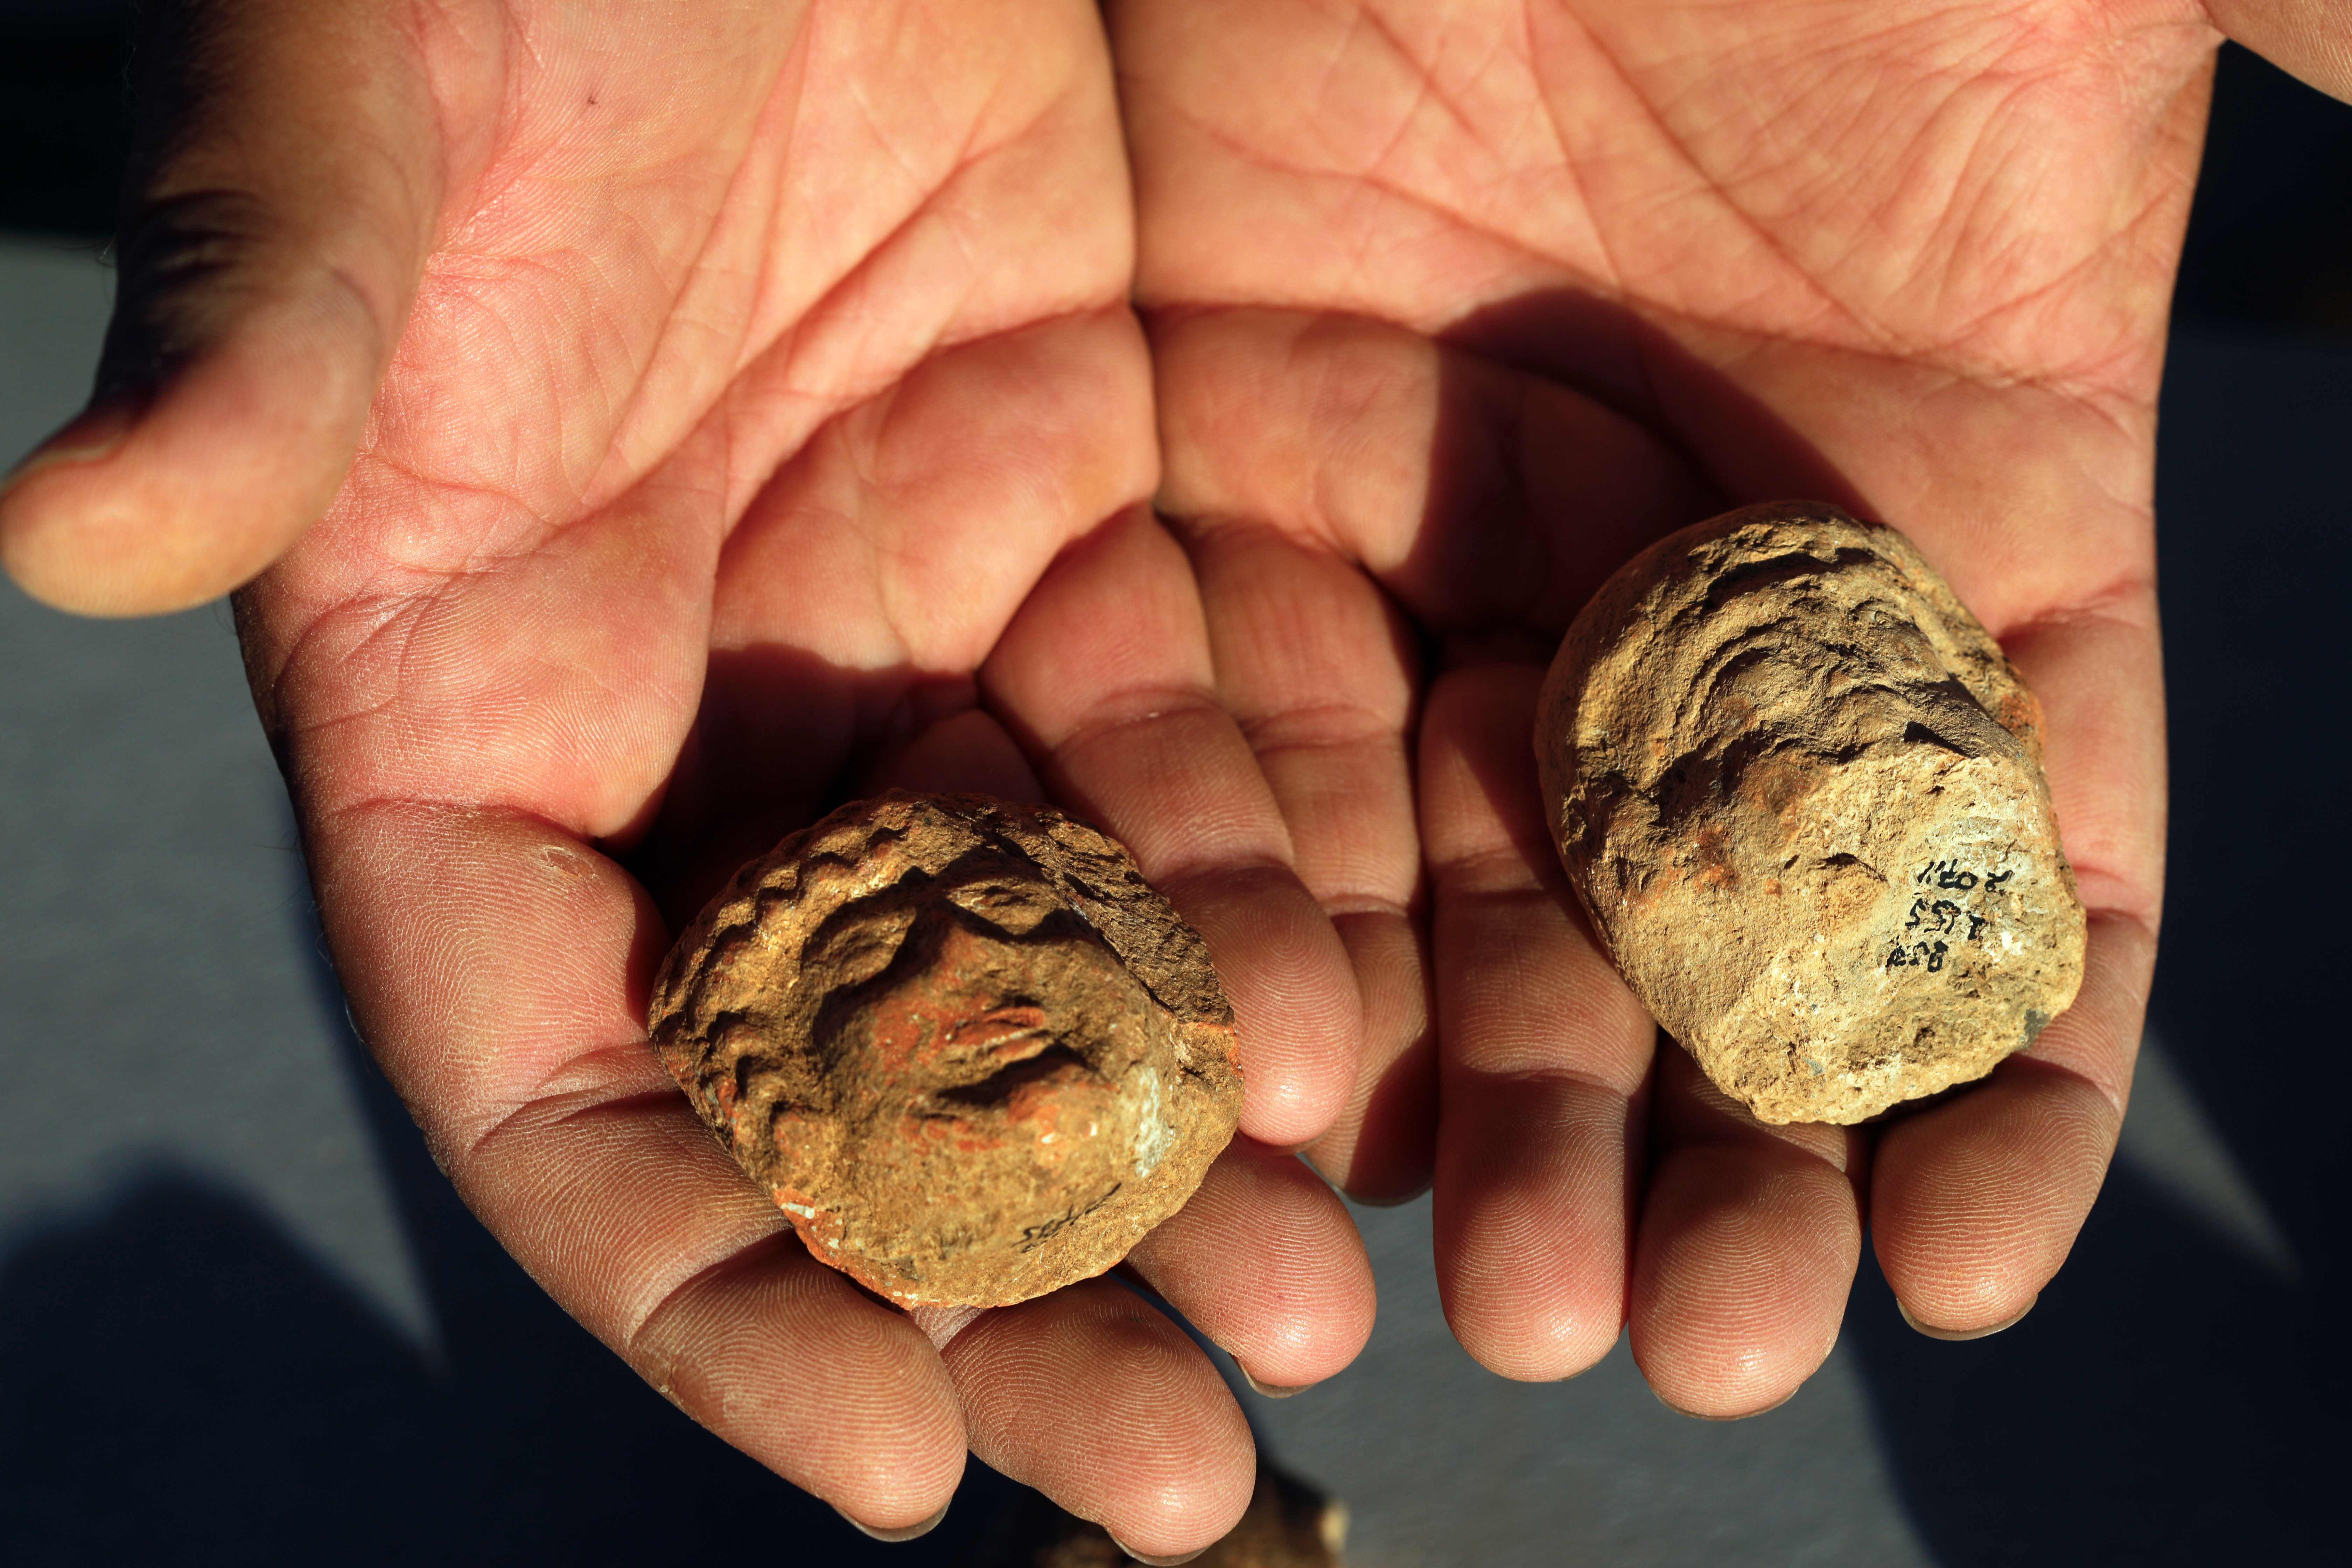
x=1543, y=1053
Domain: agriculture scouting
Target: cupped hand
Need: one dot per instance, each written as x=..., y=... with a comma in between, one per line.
x=1454, y=308
x=716, y=410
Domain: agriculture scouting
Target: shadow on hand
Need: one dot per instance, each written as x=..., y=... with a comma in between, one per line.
x=782, y=738
x=1506, y=467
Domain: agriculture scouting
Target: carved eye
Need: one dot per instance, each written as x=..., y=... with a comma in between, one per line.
x=858, y=944
x=1014, y=907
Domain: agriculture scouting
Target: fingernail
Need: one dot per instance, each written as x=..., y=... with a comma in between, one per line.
x=1273, y=1390
x=1156, y=1562
x=908, y=1534
x=96, y=433
x=1956, y=1334
x=1743, y=1415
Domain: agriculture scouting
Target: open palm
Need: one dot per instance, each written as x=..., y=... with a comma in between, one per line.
x=765, y=399
x=716, y=409
x=1455, y=307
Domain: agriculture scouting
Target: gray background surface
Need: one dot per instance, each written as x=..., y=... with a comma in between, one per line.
x=243, y=1320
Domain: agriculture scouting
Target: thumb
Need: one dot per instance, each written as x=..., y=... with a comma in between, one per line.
x=284, y=193
x=2308, y=38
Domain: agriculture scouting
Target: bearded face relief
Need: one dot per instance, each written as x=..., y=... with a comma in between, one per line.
x=1000, y=1059
x=966, y=1048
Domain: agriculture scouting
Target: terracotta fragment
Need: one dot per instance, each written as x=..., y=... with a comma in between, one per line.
x=962, y=1043
x=1799, y=791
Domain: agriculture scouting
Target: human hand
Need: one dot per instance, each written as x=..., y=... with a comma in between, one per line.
x=1455, y=308
x=723, y=407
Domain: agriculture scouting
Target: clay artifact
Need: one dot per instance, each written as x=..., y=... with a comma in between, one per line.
x=964, y=1046
x=1799, y=791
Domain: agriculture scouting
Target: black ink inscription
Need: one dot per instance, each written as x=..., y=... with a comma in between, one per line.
x=1036, y=1235
x=1931, y=917
x=1943, y=916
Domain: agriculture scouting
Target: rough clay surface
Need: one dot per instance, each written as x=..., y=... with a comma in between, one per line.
x=963, y=1044
x=1800, y=793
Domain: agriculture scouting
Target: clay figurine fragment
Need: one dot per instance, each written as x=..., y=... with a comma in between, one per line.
x=962, y=1043
x=1799, y=791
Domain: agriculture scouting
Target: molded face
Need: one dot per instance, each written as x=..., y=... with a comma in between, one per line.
x=1002, y=1053
x=959, y=1041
